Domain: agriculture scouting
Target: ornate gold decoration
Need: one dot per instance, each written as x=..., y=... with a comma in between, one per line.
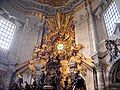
x=59, y=46
x=60, y=32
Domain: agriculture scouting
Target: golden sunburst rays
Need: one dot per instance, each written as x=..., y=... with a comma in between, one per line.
x=60, y=21
x=60, y=31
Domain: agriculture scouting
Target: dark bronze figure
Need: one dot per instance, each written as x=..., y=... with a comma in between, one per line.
x=113, y=48
x=79, y=83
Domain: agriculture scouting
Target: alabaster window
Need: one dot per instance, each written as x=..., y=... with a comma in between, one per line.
x=111, y=17
x=6, y=33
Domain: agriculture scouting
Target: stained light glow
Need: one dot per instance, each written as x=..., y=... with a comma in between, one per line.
x=60, y=46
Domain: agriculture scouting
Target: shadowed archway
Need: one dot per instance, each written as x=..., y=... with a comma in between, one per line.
x=114, y=76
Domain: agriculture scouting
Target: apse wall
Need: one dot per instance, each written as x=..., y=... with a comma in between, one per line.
x=32, y=29
x=83, y=32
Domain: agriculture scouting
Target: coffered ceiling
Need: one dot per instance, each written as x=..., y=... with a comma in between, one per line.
x=47, y=7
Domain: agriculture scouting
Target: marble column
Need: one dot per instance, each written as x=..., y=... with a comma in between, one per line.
x=100, y=77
